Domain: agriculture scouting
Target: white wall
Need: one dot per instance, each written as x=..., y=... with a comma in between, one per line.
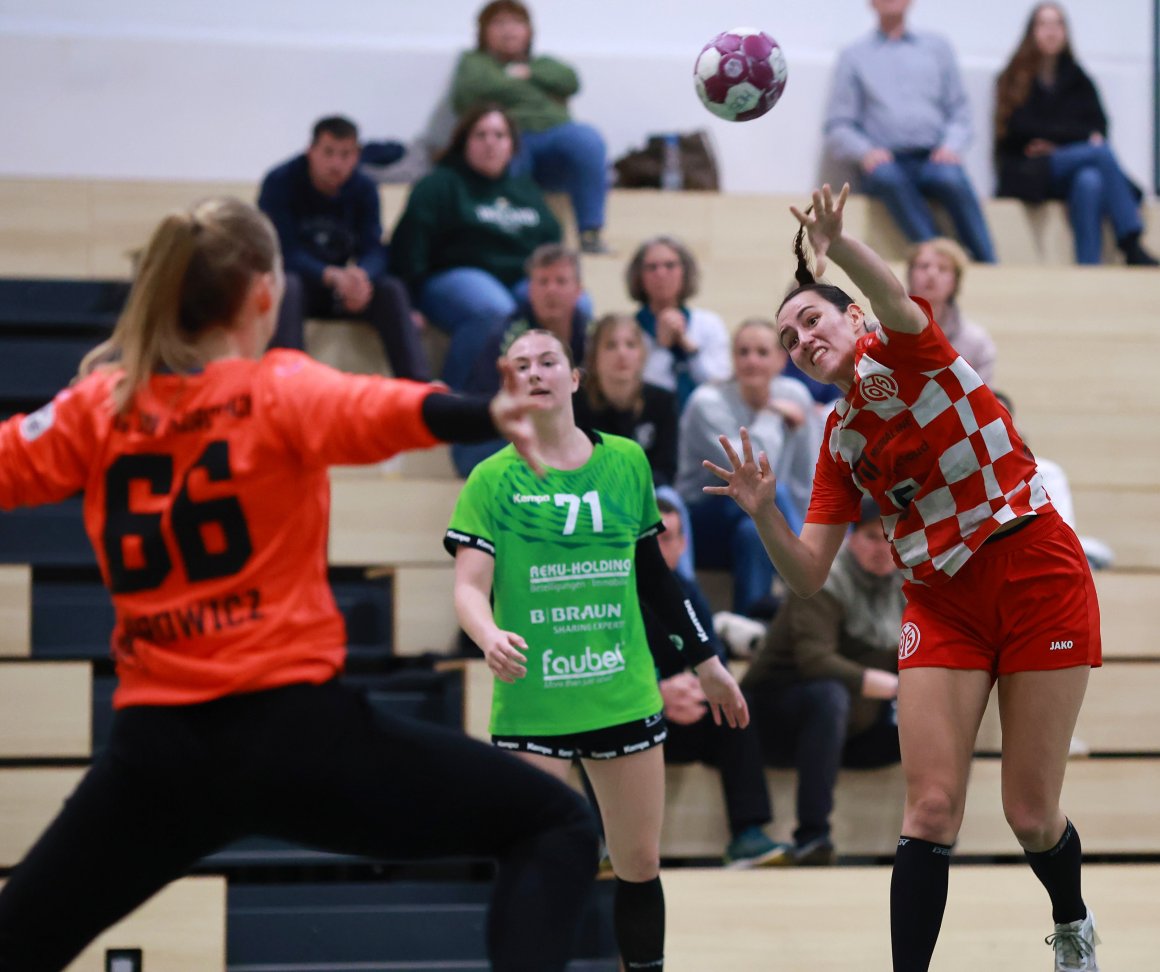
x=217, y=90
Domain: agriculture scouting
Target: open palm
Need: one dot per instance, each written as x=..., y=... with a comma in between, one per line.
x=750, y=482
x=823, y=222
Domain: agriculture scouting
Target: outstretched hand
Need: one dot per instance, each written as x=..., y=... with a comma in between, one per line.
x=749, y=482
x=510, y=413
x=823, y=222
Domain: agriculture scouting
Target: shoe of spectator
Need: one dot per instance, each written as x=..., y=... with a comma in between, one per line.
x=1075, y=945
x=382, y=153
x=1134, y=253
x=1078, y=748
x=818, y=852
x=592, y=244
x=741, y=636
x=754, y=848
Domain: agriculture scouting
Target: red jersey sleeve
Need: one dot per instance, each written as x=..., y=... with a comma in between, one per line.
x=835, y=498
x=924, y=351
x=46, y=456
x=333, y=418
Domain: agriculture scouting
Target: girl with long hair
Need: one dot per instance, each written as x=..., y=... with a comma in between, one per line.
x=203, y=462
x=997, y=587
x=1051, y=141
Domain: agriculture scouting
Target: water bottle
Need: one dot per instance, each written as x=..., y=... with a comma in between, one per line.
x=672, y=178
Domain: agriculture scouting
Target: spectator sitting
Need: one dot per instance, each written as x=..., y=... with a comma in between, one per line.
x=615, y=398
x=782, y=423
x=553, y=304
x=466, y=232
x=1098, y=553
x=326, y=213
x=934, y=272
x=696, y=738
x=560, y=154
x=822, y=686
x=1051, y=141
x=686, y=345
x=898, y=109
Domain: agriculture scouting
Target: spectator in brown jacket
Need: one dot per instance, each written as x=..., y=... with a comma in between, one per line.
x=822, y=687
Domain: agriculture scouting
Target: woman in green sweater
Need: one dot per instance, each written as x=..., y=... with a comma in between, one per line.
x=560, y=154
x=465, y=235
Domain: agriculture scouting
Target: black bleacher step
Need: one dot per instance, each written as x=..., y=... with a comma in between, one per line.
x=35, y=368
x=46, y=328
x=52, y=534
x=427, y=696
x=576, y=965
x=383, y=925
x=90, y=306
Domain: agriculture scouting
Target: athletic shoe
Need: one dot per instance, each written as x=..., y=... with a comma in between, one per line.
x=753, y=848
x=742, y=636
x=592, y=243
x=818, y=852
x=1075, y=945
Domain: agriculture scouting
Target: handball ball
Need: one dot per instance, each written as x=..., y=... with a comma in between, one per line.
x=740, y=74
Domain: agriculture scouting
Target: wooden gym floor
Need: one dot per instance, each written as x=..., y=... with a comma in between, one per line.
x=830, y=919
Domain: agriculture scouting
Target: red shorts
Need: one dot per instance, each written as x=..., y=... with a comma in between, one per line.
x=1024, y=602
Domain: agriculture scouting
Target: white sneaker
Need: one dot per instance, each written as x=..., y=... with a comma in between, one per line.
x=1075, y=945
x=1078, y=748
x=742, y=636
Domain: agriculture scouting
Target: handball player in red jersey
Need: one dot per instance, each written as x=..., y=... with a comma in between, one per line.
x=998, y=588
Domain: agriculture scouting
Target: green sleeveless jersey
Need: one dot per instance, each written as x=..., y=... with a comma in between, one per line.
x=565, y=579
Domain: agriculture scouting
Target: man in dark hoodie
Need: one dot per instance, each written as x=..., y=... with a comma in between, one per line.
x=327, y=216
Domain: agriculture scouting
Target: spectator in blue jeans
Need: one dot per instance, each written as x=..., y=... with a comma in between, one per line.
x=899, y=111
x=465, y=235
x=559, y=153
x=1051, y=141
x=822, y=687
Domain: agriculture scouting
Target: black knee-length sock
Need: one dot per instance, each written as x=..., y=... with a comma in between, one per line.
x=918, y=897
x=639, y=917
x=1058, y=870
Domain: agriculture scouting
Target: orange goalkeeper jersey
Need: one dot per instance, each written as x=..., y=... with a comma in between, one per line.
x=208, y=506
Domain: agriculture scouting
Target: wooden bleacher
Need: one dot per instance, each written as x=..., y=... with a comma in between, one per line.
x=15, y=611
x=45, y=710
x=1115, y=795
x=1076, y=348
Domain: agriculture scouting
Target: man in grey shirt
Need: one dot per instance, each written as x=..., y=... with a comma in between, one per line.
x=898, y=110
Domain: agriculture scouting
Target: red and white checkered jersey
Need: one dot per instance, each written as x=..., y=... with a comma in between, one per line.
x=923, y=436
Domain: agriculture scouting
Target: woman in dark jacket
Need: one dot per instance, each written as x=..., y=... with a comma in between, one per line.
x=1051, y=141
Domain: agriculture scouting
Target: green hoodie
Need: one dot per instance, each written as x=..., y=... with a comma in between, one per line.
x=536, y=103
x=456, y=217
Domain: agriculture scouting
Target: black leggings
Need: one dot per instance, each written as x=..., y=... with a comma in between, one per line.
x=311, y=764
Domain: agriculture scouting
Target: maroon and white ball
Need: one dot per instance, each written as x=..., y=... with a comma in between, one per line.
x=740, y=74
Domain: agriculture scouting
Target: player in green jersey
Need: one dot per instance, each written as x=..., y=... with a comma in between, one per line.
x=550, y=572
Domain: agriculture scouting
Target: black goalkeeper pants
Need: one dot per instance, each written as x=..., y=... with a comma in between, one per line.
x=312, y=764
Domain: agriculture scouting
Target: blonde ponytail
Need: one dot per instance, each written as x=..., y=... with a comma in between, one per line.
x=194, y=273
